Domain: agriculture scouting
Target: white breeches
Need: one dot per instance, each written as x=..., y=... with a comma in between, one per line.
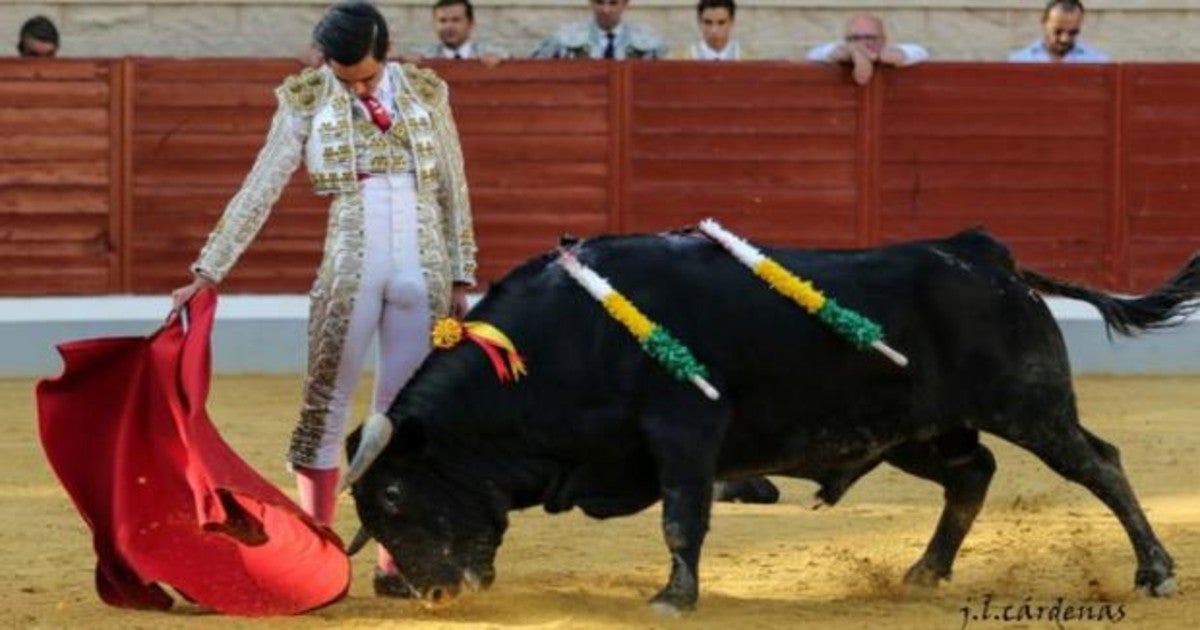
x=391, y=299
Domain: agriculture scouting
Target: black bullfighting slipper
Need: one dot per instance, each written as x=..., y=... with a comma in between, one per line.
x=391, y=585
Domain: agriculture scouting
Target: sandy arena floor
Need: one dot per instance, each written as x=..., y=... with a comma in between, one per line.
x=1038, y=539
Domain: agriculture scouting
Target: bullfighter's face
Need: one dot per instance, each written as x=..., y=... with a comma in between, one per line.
x=444, y=540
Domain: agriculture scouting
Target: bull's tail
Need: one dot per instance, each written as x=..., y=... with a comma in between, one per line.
x=1164, y=307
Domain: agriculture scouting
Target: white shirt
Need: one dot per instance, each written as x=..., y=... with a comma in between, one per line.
x=1037, y=53
x=466, y=51
x=913, y=53
x=701, y=50
x=602, y=37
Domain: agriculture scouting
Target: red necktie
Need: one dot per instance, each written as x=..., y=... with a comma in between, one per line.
x=379, y=115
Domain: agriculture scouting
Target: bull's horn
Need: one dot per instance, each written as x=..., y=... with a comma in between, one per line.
x=377, y=432
x=358, y=542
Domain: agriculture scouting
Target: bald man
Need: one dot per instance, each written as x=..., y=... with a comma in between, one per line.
x=864, y=46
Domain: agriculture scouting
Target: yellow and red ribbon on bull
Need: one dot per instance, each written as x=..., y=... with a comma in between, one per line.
x=449, y=332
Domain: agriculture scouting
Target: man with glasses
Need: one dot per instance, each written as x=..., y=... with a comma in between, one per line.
x=606, y=36
x=1062, y=21
x=864, y=46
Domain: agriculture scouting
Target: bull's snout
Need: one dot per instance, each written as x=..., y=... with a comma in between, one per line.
x=440, y=596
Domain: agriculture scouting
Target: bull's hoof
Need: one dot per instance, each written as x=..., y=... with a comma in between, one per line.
x=390, y=585
x=665, y=609
x=672, y=604
x=754, y=490
x=923, y=576
x=1164, y=587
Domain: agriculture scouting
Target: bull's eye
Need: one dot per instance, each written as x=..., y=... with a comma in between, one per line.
x=391, y=500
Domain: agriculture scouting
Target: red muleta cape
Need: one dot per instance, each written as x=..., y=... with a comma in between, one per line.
x=168, y=501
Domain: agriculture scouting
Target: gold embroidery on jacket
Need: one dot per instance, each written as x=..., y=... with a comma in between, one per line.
x=330, y=304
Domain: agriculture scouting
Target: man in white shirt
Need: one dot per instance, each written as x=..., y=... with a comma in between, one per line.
x=1062, y=21
x=716, y=29
x=606, y=36
x=453, y=21
x=864, y=46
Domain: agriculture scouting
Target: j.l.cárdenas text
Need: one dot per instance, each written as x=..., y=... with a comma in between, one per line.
x=987, y=609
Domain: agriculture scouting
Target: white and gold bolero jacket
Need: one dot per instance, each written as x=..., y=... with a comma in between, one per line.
x=314, y=122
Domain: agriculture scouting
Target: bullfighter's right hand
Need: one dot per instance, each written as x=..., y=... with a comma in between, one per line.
x=180, y=296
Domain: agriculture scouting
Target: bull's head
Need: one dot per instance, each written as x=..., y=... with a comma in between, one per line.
x=442, y=532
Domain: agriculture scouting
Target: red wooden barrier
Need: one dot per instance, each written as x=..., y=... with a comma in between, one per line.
x=112, y=172
x=60, y=180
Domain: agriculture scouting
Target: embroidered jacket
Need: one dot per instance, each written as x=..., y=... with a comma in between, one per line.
x=314, y=122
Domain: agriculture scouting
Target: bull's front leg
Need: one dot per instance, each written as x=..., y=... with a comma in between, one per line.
x=686, y=511
x=684, y=441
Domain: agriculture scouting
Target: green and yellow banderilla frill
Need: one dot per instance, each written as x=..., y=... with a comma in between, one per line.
x=669, y=352
x=859, y=330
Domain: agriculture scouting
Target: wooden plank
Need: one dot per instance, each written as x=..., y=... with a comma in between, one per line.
x=58, y=69
x=1181, y=201
x=1008, y=226
x=751, y=94
x=1023, y=203
x=1156, y=226
x=50, y=121
x=733, y=148
x=1179, y=118
x=58, y=174
x=52, y=227
x=536, y=177
x=53, y=148
x=520, y=70
x=653, y=173
x=472, y=119
x=939, y=121
x=992, y=150
x=35, y=94
x=531, y=94
x=784, y=202
x=742, y=72
x=33, y=201
x=992, y=176
x=209, y=94
x=768, y=121
x=503, y=149
x=587, y=200
x=216, y=120
x=921, y=92
x=269, y=72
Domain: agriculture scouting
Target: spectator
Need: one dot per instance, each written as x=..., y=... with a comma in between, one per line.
x=716, y=28
x=39, y=38
x=453, y=20
x=865, y=46
x=1062, y=21
x=604, y=37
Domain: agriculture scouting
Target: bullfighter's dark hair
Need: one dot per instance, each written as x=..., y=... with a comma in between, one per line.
x=440, y=4
x=38, y=28
x=350, y=31
x=717, y=4
x=1068, y=6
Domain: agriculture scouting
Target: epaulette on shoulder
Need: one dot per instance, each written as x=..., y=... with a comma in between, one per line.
x=429, y=86
x=303, y=90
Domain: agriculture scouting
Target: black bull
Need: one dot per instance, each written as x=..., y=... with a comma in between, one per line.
x=599, y=425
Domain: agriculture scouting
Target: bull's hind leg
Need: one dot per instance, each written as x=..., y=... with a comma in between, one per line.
x=683, y=433
x=964, y=468
x=1073, y=452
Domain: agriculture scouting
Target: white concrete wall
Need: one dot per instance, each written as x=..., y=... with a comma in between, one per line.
x=1129, y=30
x=267, y=333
